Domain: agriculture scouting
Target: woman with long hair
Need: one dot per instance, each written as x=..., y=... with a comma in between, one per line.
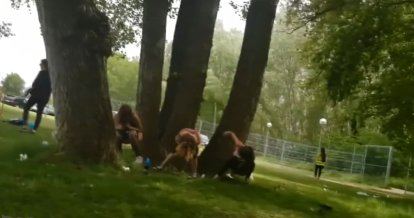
x=320, y=163
x=187, y=141
x=242, y=162
x=128, y=128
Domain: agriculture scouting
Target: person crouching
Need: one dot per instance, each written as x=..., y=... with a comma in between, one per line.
x=187, y=141
x=242, y=161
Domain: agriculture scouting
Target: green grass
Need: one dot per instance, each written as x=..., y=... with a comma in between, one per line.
x=48, y=186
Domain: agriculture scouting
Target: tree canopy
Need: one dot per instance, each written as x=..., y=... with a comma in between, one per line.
x=5, y=29
x=13, y=84
x=364, y=52
x=122, y=78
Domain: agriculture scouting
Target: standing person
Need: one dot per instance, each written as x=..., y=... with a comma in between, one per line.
x=129, y=129
x=39, y=95
x=320, y=163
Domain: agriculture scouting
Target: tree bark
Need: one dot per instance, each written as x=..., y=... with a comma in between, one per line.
x=181, y=34
x=247, y=84
x=150, y=74
x=192, y=65
x=76, y=36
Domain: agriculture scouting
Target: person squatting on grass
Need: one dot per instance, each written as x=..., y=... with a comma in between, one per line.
x=39, y=94
x=129, y=129
x=242, y=161
x=320, y=163
x=187, y=141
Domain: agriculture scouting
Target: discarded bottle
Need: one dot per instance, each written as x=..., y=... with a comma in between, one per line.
x=147, y=163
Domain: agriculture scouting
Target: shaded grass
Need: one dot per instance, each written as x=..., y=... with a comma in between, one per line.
x=48, y=186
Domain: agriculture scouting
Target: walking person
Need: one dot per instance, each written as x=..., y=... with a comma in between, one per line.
x=39, y=95
x=320, y=163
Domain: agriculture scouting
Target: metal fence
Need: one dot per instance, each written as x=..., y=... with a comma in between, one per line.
x=365, y=160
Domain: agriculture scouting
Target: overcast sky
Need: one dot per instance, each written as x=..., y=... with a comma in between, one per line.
x=22, y=53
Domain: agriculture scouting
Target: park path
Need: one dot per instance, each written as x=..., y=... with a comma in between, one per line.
x=394, y=192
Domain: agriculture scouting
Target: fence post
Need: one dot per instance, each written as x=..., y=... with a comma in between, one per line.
x=266, y=142
x=365, y=160
x=387, y=175
x=306, y=154
x=215, y=116
x=200, y=126
x=352, y=162
x=282, y=153
x=408, y=174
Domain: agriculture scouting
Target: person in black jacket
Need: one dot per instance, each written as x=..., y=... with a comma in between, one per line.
x=242, y=161
x=39, y=95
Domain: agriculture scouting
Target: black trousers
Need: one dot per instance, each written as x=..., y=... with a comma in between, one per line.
x=40, y=103
x=318, y=170
x=237, y=166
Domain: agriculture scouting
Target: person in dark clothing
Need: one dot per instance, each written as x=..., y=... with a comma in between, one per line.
x=320, y=163
x=242, y=161
x=39, y=95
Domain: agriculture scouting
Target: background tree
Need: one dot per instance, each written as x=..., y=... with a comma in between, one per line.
x=363, y=50
x=245, y=93
x=122, y=77
x=5, y=30
x=222, y=67
x=13, y=84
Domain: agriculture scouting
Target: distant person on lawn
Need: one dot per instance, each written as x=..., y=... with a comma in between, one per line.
x=320, y=163
x=39, y=95
x=129, y=129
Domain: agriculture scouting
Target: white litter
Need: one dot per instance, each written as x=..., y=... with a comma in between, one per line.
x=362, y=193
x=23, y=157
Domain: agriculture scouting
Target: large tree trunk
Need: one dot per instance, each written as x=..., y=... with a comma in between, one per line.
x=192, y=66
x=77, y=42
x=181, y=34
x=245, y=93
x=150, y=74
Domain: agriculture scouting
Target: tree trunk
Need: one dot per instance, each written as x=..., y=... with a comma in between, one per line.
x=192, y=66
x=245, y=93
x=181, y=34
x=150, y=74
x=76, y=35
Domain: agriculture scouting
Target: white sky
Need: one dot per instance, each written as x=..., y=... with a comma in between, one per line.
x=22, y=53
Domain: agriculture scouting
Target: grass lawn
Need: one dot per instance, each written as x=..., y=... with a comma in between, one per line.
x=47, y=186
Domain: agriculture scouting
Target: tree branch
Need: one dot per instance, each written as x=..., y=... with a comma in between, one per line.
x=315, y=16
x=396, y=3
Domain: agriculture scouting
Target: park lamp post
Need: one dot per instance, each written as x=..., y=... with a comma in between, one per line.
x=322, y=122
x=268, y=125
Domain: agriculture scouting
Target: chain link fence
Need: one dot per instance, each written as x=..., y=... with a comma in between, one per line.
x=367, y=161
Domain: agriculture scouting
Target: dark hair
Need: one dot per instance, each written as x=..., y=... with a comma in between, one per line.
x=247, y=153
x=44, y=62
x=127, y=116
x=323, y=154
